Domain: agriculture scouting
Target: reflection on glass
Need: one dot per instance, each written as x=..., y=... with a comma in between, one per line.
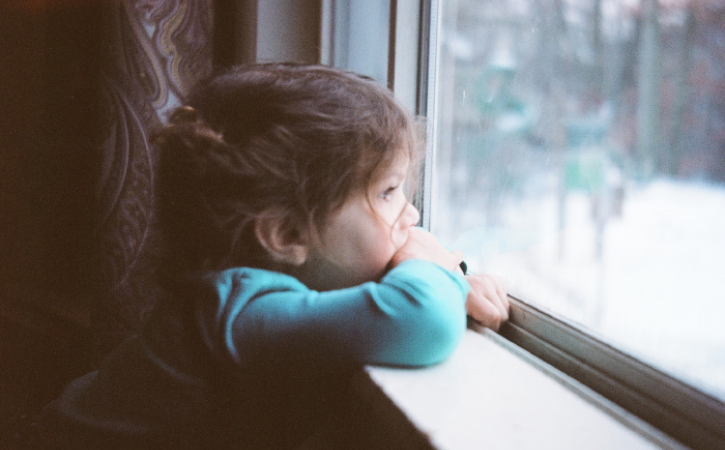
x=581, y=154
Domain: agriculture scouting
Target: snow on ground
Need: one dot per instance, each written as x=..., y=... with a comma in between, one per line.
x=658, y=290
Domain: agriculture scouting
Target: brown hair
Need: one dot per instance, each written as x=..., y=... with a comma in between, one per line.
x=284, y=139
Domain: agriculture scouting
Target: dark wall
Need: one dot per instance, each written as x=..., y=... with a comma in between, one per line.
x=49, y=142
x=49, y=65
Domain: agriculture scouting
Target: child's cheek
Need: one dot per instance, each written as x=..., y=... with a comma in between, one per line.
x=399, y=237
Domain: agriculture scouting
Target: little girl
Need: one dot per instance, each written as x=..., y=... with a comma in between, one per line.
x=292, y=260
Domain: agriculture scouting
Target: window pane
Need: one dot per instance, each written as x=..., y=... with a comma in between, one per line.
x=360, y=36
x=580, y=153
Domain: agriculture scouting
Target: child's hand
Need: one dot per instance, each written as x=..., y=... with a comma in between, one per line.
x=423, y=245
x=487, y=301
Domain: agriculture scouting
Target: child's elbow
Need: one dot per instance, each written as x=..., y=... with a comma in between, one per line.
x=438, y=334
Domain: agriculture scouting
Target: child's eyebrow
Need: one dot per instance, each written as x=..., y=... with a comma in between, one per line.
x=400, y=172
x=393, y=178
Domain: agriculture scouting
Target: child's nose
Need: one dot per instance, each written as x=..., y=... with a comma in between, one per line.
x=410, y=216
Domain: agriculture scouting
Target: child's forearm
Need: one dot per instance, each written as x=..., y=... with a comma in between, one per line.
x=414, y=316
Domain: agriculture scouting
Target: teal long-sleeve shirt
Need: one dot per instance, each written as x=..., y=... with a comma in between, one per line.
x=414, y=316
x=248, y=358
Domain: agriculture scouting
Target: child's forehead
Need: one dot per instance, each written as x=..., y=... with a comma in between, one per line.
x=397, y=166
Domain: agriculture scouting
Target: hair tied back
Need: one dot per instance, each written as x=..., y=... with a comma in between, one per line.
x=184, y=114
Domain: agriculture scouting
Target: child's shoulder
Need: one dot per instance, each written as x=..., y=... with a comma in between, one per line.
x=249, y=279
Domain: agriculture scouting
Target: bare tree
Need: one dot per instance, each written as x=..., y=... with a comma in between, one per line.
x=649, y=82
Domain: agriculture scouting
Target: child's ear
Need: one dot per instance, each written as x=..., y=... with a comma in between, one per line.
x=283, y=243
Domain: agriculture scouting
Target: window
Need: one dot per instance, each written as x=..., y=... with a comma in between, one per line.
x=357, y=31
x=577, y=149
x=580, y=153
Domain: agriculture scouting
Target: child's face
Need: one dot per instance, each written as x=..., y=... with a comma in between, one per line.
x=361, y=238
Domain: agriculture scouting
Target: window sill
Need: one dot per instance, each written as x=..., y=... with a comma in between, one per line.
x=492, y=393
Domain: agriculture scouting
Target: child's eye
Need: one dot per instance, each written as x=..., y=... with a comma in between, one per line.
x=385, y=195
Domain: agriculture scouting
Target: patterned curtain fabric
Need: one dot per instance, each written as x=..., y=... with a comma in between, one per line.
x=154, y=50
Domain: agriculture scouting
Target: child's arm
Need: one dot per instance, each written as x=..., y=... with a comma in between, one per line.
x=415, y=316
x=487, y=301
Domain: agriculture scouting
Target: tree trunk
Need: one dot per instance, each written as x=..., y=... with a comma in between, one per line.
x=649, y=80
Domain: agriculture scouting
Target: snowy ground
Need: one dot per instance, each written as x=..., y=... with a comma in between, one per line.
x=658, y=290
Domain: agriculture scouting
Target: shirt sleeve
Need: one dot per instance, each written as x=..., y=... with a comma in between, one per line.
x=414, y=316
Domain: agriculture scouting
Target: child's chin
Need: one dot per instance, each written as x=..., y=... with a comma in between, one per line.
x=327, y=276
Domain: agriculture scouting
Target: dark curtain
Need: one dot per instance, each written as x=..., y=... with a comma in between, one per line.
x=152, y=52
x=84, y=84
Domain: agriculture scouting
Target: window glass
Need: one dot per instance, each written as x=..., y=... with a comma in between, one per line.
x=580, y=154
x=360, y=36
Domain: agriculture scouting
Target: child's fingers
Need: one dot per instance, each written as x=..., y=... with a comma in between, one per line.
x=497, y=294
x=487, y=300
x=503, y=295
x=423, y=245
x=484, y=311
x=458, y=258
x=500, y=298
